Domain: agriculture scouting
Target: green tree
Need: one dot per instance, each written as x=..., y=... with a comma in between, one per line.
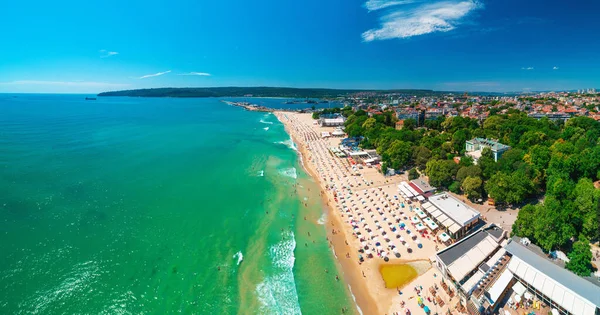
x=468, y=171
x=580, y=258
x=440, y=172
x=409, y=124
x=487, y=164
x=454, y=187
x=458, y=140
x=399, y=154
x=586, y=205
x=421, y=155
x=472, y=187
x=413, y=174
x=524, y=226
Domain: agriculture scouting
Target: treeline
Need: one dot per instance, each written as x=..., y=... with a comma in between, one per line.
x=255, y=91
x=551, y=166
x=346, y=111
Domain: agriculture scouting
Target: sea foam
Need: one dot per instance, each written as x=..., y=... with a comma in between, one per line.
x=289, y=172
x=277, y=292
x=322, y=219
x=239, y=257
x=289, y=143
x=266, y=128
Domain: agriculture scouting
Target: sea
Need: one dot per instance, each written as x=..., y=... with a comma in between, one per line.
x=158, y=206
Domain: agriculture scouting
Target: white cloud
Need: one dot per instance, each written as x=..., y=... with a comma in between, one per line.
x=204, y=74
x=65, y=83
x=528, y=68
x=373, y=5
x=406, y=21
x=154, y=75
x=555, y=68
x=105, y=53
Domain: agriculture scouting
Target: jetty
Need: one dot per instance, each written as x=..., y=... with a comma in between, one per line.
x=259, y=108
x=249, y=106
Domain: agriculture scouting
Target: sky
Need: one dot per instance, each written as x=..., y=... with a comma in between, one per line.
x=449, y=45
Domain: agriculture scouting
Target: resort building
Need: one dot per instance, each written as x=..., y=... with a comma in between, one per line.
x=556, y=287
x=475, y=147
x=333, y=120
x=467, y=264
x=422, y=187
x=491, y=273
x=456, y=217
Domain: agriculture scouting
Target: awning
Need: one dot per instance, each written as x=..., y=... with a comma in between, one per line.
x=519, y=288
x=444, y=237
x=454, y=228
x=421, y=214
x=500, y=286
x=420, y=227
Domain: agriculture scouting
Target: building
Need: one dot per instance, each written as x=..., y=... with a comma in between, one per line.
x=456, y=217
x=400, y=124
x=422, y=187
x=409, y=113
x=334, y=120
x=467, y=263
x=555, y=286
x=475, y=147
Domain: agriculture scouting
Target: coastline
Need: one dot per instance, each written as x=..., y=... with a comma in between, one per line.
x=364, y=302
x=368, y=188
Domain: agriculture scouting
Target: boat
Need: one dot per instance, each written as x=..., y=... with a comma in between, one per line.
x=90, y=98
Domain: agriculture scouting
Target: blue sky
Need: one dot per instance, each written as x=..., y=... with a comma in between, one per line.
x=456, y=45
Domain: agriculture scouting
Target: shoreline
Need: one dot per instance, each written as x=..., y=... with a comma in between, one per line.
x=364, y=302
x=342, y=191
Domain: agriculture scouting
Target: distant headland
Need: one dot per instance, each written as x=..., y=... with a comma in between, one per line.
x=260, y=91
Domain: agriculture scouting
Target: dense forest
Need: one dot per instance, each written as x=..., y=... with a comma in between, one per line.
x=549, y=172
x=255, y=91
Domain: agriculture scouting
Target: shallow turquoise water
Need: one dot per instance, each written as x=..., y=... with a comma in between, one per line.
x=137, y=205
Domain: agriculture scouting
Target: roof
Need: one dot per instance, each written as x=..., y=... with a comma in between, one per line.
x=422, y=185
x=494, y=145
x=572, y=292
x=452, y=253
x=499, y=286
x=455, y=209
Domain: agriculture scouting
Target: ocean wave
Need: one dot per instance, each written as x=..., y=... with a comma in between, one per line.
x=322, y=219
x=75, y=285
x=354, y=298
x=266, y=122
x=239, y=256
x=277, y=292
x=266, y=128
x=289, y=143
x=289, y=172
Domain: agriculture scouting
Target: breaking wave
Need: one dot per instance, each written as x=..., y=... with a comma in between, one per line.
x=266, y=128
x=289, y=143
x=239, y=256
x=277, y=292
x=289, y=172
x=322, y=219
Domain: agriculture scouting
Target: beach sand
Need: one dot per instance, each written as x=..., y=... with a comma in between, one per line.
x=363, y=211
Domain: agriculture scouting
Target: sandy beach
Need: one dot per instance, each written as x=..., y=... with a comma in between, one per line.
x=364, y=219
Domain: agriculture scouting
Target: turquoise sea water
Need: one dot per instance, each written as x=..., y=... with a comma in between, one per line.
x=157, y=206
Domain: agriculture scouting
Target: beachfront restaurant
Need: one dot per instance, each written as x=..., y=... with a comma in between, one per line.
x=465, y=264
x=409, y=192
x=555, y=287
x=455, y=217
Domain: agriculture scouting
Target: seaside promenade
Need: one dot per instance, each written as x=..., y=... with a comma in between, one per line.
x=369, y=226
